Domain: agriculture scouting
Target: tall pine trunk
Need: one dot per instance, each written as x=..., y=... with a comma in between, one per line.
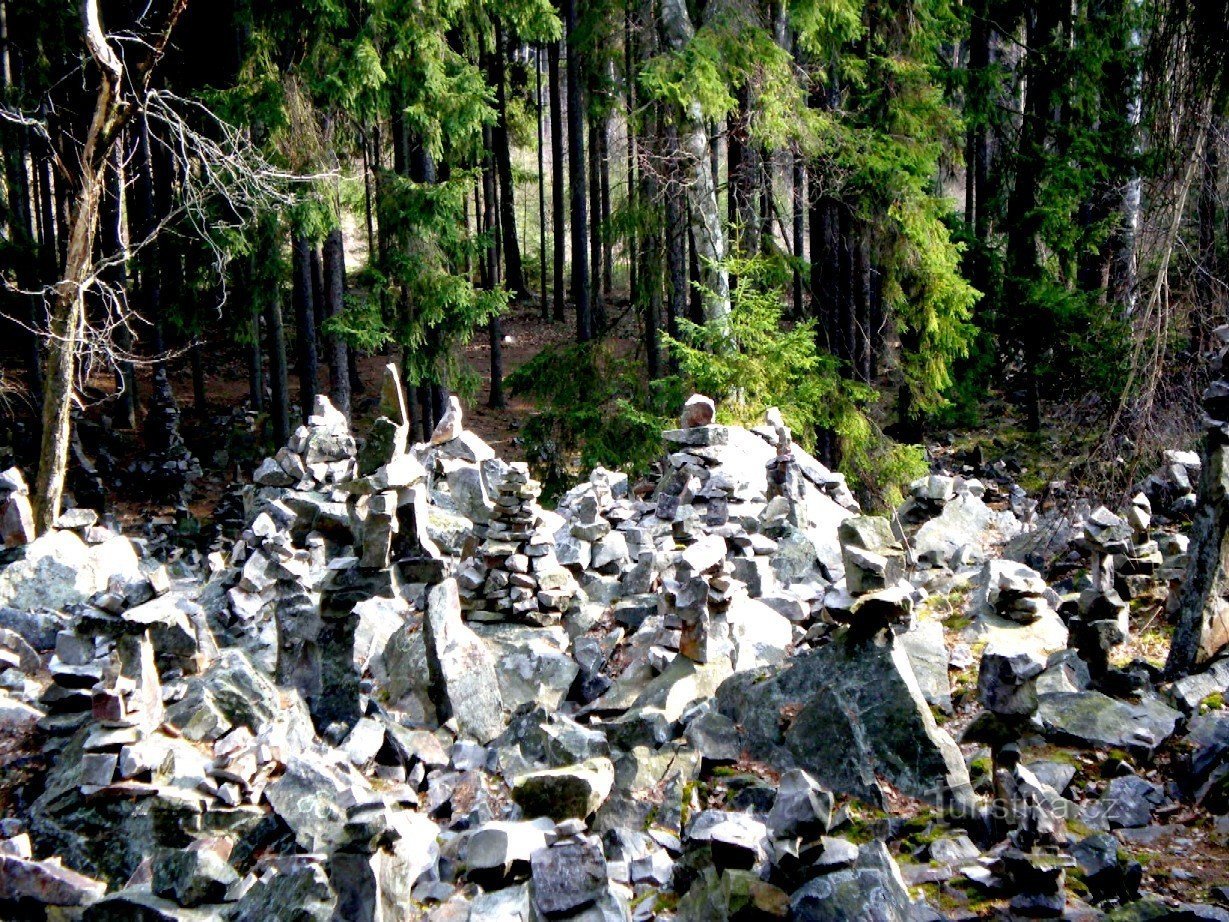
x=576, y=178
x=334, y=259
x=558, y=220
x=595, y=226
x=305, y=322
x=514, y=275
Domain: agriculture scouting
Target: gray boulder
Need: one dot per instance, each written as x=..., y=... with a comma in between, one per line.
x=464, y=682
x=855, y=712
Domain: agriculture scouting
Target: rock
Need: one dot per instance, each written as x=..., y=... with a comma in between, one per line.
x=499, y=846
x=1097, y=721
x=193, y=876
x=874, y=881
x=307, y=797
x=963, y=531
x=927, y=651
x=854, y=711
x=46, y=883
x=568, y=876
x=737, y=840
x=1107, y=875
x=464, y=683
x=697, y=411
x=449, y=426
x=294, y=888
x=802, y=807
x=58, y=569
x=1004, y=679
x=573, y=791
x=732, y=895
x=873, y=556
x=1127, y=802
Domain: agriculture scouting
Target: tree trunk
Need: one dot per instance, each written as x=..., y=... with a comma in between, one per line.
x=705, y=215
x=629, y=92
x=334, y=270
x=537, y=71
x=603, y=161
x=490, y=279
x=514, y=275
x=200, y=399
x=558, y=225
x=317, y=273
x=68, y=304
x=798, y=203
x=116, y=276
x=278, y=373
x=256, y=369
x=305, y=323
x=677, y=269
x=576, y=178
x=1023, y=254
x=595, y=228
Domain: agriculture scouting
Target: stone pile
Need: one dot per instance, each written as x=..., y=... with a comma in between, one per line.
x=167, y=469
x=874, y=593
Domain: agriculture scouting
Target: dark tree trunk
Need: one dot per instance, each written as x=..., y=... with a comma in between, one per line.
x=490, y=278
x=368, y=206
x=317, y=270
x=798, y=202
x=1206, y=272
x=558, y=221
x=537, y=71
x=603, y=148
x=862, y=303
x=514, y=275
x=595, y=227
x=305, y=327
x=1023, y=254
x=334, y=299
x=15, y=148
x=279, y=378
x=142, y=219
x=629, y=90
x=256, y=369
x=576, y=178
x=677, y=269
x=116, y=275
x=695, y=299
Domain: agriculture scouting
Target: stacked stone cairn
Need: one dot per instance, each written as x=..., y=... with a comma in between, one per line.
x=874, y=593
x=514, y=574
x=168, y=469
x=1136, y=568
x=1102, y=618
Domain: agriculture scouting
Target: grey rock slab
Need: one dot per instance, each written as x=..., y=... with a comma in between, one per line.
x=855, y=712
x=872, y=890
x=1097, y=721
x=464, y=681
x=568, y=876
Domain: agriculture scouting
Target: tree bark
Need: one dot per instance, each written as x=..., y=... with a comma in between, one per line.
x=490, y=279
x=334, y=270
x=116, y=276
x=537, y=71
x=278, y=373
x=706, y=226
x=798, y=203
x=305, y=323
x=595, y=228
x=576, y=178
x=514, y=274
x=558, y=222
x=67, y=310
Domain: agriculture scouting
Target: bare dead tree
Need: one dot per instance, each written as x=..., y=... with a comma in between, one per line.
x=218, y=163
